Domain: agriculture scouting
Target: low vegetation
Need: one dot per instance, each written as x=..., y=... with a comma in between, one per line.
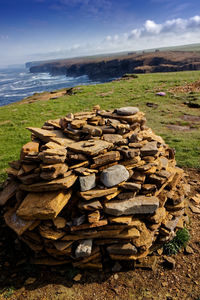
x=141, y=92
x=178, y=242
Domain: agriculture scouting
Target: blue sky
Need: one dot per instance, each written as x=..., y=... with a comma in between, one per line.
x=44, y=29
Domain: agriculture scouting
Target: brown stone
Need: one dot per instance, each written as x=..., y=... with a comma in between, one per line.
x=92, y=130
x=16, y=164
x=77, y=124
x=79, y=165
x=90, y=148
x=122, y=249
x=49, y=261
x=89, y=225
x=54, y=185
x=130, y=186
x=16, y=223
x=149, y=149
x=28, y=168
x=115, y=139
x=97, y=193
x=121, y=220
x=90, y=205
x=43, y=205
x=62, y=245
x=138, y=176
x=129, y=257
x=145, y=240
x=105, y=158
x=158, y=216
x=29, y=147
x=29, y=178
x=94, y=216
x=42, y=134
x=195, y=199
x=12, y=171
x=55, y=123
x=8, y=192
x=50, y=234
x=149, y=262
x=64, y=142
x=49, y=172
x=53, y=156
x=59, y=222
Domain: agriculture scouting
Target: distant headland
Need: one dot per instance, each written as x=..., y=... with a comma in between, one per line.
x=115, y=66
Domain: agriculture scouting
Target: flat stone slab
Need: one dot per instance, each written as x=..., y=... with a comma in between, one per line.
x=16, y=223
x=97, y=193
x=54, y=185
x=127, y=111
x=90, y=205
x=43, y=206
x=8, y=192
x=131, y=186
x=123, y=249
x=114, y=175
x=106, y=158
x=136, y=205
x=41, y=133
x=112, y=138
x=87, y=182
x=90, y=147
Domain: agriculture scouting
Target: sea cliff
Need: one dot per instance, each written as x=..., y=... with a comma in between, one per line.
x=109, y=68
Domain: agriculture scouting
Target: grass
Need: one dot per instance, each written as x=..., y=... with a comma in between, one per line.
x=179, y=241
x=16, y=117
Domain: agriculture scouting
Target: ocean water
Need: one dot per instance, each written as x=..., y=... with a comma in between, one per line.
x=18, y=83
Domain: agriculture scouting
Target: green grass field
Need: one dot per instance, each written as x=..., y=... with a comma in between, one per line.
x=134, y=92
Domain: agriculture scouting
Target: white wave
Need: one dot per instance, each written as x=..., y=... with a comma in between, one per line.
x=17, y=84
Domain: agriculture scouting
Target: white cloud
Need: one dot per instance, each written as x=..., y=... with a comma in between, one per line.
x=168, y=33
x=152, y=27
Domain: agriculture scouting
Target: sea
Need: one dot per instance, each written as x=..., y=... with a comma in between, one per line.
x=17, y=83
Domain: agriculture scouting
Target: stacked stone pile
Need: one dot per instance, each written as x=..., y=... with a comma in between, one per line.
x=93, y=188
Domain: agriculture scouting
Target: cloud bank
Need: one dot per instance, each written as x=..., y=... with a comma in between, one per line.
x=151, y=35
x=182, y=29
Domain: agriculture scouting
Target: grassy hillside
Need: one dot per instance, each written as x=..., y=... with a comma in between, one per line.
x=133, y=92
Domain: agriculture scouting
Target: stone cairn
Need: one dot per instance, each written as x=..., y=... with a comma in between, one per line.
x=94, y=188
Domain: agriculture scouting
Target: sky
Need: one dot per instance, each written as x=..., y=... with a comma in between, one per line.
x=32, y=30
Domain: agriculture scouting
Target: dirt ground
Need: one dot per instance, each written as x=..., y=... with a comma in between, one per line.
x=21, y=280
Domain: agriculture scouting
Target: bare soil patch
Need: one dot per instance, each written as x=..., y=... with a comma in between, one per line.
x=179, y=127
x=191, y=118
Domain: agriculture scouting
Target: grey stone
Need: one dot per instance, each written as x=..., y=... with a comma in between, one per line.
x=127, y=111
x=87, y=182
x=84, y=248
x=114, y=175
x=136, y=205
x=149, y=149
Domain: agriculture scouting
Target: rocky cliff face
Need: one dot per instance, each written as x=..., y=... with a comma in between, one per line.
x=106, y=69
